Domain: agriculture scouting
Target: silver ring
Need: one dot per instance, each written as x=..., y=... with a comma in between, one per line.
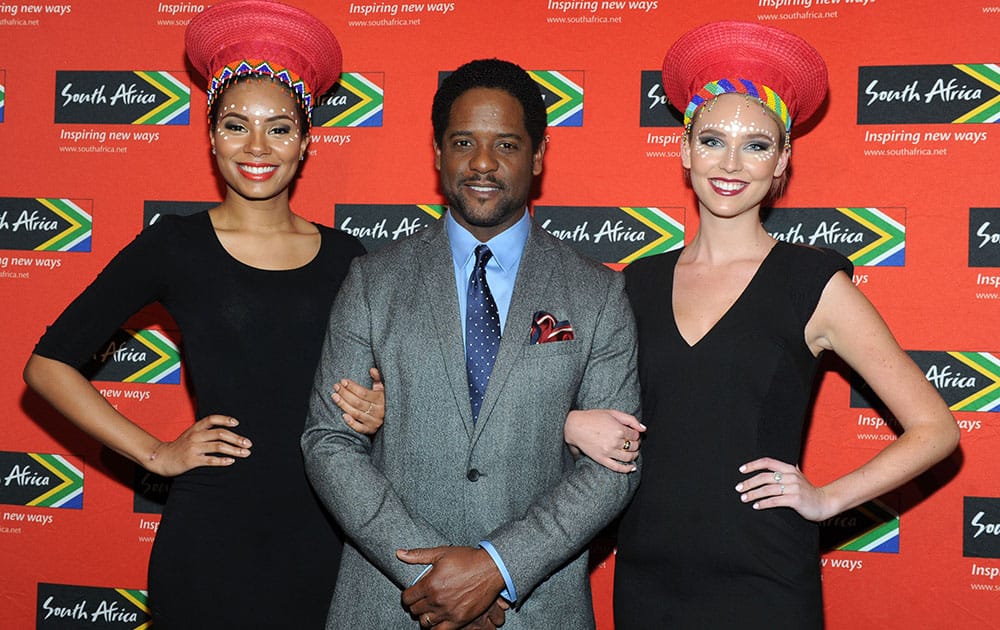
x=628, y=443
x=777, y=477
x=782, y=486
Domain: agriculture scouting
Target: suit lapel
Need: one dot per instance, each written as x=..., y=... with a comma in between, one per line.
x=438, y=276
x=534, y=275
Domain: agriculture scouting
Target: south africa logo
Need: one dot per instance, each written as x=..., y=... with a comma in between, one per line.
x=377, y=225
x=72, y=606
x=41, y=480
x=959, y=93
x=45, y=224
x=136, y=356
x=563, y=96
x=122, y=97
x=355, y=101
x=867, y=236
x=615, y=235
x=968, y=381
x=872, y=526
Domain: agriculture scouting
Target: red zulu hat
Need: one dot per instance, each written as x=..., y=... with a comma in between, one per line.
x=237, y=37
x=781, y=69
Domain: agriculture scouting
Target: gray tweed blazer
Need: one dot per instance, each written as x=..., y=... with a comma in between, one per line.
x=430, y=477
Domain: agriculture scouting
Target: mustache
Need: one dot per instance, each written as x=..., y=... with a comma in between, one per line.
x=488, y=179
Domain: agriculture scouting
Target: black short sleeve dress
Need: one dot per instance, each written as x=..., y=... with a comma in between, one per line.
x=248, y=545
x=691, y=555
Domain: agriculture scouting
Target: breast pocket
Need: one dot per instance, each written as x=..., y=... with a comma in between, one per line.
x=552, y=349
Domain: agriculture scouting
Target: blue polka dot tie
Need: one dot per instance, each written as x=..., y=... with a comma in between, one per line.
x=482, y=331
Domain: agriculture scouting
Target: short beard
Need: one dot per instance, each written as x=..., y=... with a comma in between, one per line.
x=500, y=214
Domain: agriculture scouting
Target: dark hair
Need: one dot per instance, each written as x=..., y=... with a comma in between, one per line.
x=213, y=112
x=491, y=73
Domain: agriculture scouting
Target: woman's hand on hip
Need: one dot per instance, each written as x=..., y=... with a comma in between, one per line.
x=774, y=483
x=208, y=442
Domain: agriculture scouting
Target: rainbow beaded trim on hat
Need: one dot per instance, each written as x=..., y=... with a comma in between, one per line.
x=764, y=94
x=266, y=68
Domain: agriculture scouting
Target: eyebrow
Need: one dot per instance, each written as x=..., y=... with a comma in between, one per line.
x=465, y=132
x=757, y=134
x=273, y=118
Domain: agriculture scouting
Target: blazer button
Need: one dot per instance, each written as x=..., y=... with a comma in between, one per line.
x=472, y=475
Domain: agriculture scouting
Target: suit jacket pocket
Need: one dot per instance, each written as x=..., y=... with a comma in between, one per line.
x=552, y=349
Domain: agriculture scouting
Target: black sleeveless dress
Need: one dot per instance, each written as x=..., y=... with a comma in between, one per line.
x=247, y=545
x=691, y=555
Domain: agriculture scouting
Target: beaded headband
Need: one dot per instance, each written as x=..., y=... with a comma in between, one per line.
x=767, y=97
x=748, y=58
x=228, y=73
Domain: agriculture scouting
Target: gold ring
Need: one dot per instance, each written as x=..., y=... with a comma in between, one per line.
x=628, y=443
x=369, y=410
x=427, y=620
x=777, y=477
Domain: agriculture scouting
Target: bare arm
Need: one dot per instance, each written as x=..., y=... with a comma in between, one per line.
x=847, y=323
x=76, y=398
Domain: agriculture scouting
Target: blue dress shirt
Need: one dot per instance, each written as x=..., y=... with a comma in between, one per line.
x=501, y=270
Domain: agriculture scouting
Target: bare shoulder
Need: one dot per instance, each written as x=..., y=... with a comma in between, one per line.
x=844, y=315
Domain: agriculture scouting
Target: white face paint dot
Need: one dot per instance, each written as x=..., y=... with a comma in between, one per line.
x=734, y=131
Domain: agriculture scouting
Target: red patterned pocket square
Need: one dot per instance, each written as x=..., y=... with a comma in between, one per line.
x=545, y=328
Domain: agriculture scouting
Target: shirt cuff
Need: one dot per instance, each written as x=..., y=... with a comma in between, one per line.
x=509, y=593
x=422, y=574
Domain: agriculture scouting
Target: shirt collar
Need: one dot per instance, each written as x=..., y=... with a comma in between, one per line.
x=506, y=246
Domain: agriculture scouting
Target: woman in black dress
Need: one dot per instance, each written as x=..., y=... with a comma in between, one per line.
x=723, y=532
x=243, y=541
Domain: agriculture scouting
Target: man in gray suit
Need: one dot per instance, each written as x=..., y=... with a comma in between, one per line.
x=488, y=331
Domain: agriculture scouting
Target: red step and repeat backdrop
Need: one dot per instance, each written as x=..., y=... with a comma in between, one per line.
x=102, y=128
